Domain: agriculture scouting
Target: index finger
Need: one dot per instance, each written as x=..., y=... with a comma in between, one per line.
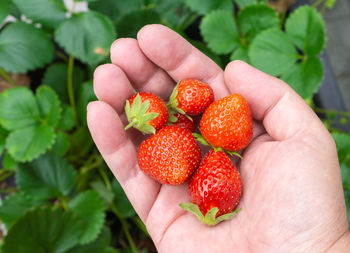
x=179, y=58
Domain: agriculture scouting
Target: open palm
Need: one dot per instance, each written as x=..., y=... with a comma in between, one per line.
x=292, y=195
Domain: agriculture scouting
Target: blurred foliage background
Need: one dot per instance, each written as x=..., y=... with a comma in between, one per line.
x=54, y=184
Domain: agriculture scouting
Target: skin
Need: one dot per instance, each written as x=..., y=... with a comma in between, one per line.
x=292, y=197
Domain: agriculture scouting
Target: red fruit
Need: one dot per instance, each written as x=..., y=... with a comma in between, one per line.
x=191, y=96
x=183, y=121
x=170, y=156
x=227, y=123
x=215, y=188
x=146, y=112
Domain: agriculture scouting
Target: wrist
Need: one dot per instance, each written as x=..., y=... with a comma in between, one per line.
x=341, y=245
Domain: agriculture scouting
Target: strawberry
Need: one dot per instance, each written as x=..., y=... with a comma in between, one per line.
x=227, y=123
x=183, y=121
x=215, y=189
x=191, y=96
x=170, y=156
x=146, y=112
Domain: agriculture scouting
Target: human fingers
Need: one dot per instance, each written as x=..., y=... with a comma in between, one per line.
x=112, y=86
x=120, y=155
x=142, y=73
x=282, y=111
x=179, y=58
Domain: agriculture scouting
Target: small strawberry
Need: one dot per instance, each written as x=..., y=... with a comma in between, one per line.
x=181, y=120
x=170, y=156
x=227, y=123
x=191, y=96
x=146, y=112
x=215, y=189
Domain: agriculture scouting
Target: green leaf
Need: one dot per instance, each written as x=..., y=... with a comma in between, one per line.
x=100, y=245
x=30, y=119
x=102, y=190
x=345, y=174
x=219, y=31
x=205, y=50
x=5, y=9
x=85, y=35
x=28, y=143
x=206, y=6
x=121, y=201
x=240, y=53
x=47, y=177
x=67, y=120
x=86, y=94
x=347, y=203
x=245, y=3
x=15, y=205
x=272, y=52
x=342, y=141
x=18, y=109
x=131, y=23
x=9, y=163
x=115, y=10
x=24, y=47
x=306, y=29
x=305, y=77
x=256, y=18
x=50, y=13
x=90, y=209
x=61, y=145
x=56, y=77
x=49, y=105
x=43, y=230
x=82, y=141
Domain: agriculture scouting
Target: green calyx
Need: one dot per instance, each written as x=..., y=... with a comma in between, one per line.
x=138, y=117
x=210, y=218
x=174, y=103
x=201, y=139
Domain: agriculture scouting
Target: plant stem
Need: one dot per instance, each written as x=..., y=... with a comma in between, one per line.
x=140, y=225
x=61, y=55
x=94, y=165
x=63, y=203
x=316, y=3
x=8, y=190
x=7, y=78
x=6, y=175
x=125, y=228
x=70, y=88
x=105, y=178
x=321, y=110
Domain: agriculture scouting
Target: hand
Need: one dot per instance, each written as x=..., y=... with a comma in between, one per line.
x=292, y=197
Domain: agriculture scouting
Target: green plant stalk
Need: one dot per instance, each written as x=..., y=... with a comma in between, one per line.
x=71, y=90
x=61, y=55
x=318, y=2
x=8, y=190
x=321, y=110
x=105, y=178
x=7, y=78
x=91, y=166
x=140, y=225
x=6, y=175
x=116, y=212
x=125, y=228
x=187, y=21
x=63, y=203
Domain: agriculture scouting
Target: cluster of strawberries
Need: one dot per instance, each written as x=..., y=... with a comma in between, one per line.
x=172, y=156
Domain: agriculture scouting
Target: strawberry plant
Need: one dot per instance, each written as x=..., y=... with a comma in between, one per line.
x=55, y=186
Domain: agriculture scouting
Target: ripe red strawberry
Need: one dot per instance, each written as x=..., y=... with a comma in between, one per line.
x=170, y=156
x=227, y=123
x=183, y=121
x=215, y=189
x=146, y=112
x=191, y=96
